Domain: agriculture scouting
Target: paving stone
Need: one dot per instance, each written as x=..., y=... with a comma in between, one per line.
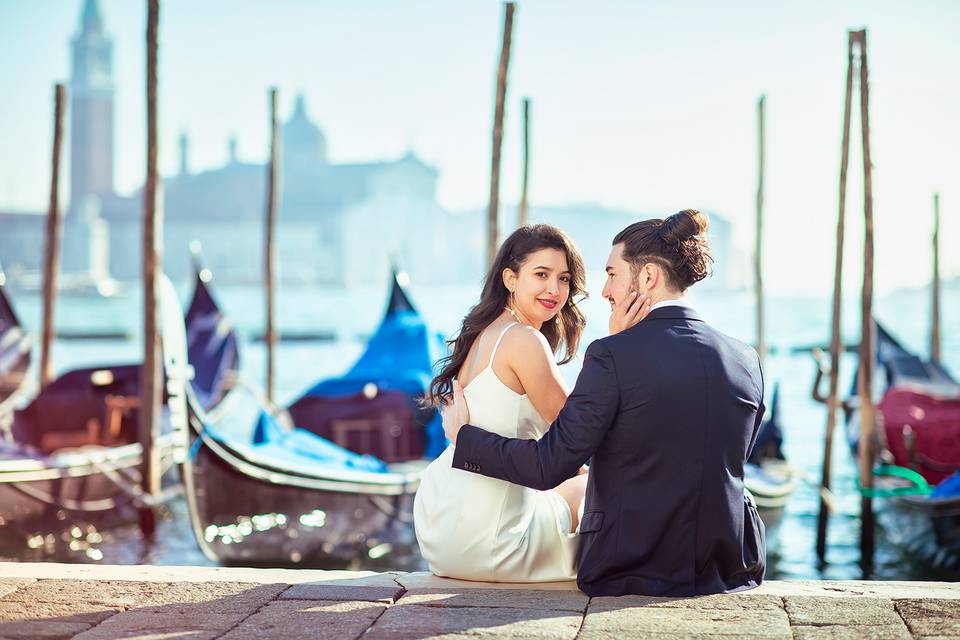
x=413, y=622
x=931, y=617
x=614, y=622
x=515, y=598
x=634, y=634
x=856, y=632
x=308, y=619
x=82, y=612
x=166, y=573
x=380, y=589
x=729, y=602
x=49, y=620
x=426, y=580
x=195, y=623
x=218, y=597
x=893, y=589
x=387, y=595
x=826, y=610
x=40, y=630
x=9, y=585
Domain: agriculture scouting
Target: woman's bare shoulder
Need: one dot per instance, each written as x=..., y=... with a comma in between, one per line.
x=523, y=341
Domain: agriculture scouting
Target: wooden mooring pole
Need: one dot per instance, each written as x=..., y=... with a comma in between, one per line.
x=151, y=379
x=758, y=240
x=935, y=293
x=522, y=214
x=493, y=208
x=270, y=262
x=835, y=331
x=868, y=436
x=51, y=252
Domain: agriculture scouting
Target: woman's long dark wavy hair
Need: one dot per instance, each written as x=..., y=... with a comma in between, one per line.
x=566, y=327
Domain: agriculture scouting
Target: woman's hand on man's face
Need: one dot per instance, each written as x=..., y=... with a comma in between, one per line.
x=632, y=309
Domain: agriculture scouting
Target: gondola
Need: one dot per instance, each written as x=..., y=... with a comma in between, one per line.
x=73, y=448
x=14, y=356
x=338, y=485
x=767, y=475
x=918, y=415
x=376, y=406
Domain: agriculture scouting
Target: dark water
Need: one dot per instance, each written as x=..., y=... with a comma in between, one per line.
x=792, y=321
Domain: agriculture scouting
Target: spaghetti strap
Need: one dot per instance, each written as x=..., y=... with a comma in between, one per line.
x=496, y=345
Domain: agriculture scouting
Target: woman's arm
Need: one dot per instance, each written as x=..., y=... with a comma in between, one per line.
x=529, y=357
x=571, y=440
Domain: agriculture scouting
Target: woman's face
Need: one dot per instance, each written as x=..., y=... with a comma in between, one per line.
x=542, y=286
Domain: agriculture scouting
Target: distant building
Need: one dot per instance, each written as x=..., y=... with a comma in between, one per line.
x=338, y=224
x=91, y=111
x=85, y=241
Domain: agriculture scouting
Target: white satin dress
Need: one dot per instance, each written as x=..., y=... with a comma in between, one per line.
x=473, y=527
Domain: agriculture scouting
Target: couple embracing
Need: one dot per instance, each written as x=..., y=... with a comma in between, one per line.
x=665, y=412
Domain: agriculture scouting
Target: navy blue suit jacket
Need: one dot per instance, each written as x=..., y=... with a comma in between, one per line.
x=667, y=412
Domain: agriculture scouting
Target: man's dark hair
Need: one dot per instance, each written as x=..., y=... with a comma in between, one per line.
x=677, y=244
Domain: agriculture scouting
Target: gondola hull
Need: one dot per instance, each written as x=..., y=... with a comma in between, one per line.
x=15, y=346
x=264, y=520
x=338, y=485
x=91, y=481
x=769, y=478
x=920, y=415
x=73, y=450
x=926, y=528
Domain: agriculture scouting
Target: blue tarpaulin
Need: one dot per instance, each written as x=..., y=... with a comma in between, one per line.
x=272, y=439
x=400, y=356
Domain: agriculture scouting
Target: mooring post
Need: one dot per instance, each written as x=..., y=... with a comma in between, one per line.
x=151, y=379
x=758, y=238
x=493, y=208
x=868, y=432
x=836, y=339
x=270, y=257
x=51, y=251
x=522, y=214
x=935, y=293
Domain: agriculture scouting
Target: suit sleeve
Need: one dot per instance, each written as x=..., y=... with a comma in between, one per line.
x=571, y=440
x=761, y=411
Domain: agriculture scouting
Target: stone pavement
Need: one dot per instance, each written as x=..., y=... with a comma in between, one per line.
x=87, y=602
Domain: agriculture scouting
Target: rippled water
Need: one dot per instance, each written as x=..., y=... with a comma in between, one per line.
x=791, y=321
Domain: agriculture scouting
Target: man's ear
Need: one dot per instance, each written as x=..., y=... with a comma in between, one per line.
x=650, y=275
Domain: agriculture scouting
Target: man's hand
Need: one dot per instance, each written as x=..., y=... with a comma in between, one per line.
x=632, y=309
x=455, y=413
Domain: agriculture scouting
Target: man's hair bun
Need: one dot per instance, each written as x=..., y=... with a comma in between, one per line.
x=683, y=225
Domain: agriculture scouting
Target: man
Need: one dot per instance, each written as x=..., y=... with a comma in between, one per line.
x=667, y=412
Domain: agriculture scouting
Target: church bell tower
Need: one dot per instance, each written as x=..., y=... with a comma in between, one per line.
x=91, y=110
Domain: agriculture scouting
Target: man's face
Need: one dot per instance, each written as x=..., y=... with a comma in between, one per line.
x=620, y=282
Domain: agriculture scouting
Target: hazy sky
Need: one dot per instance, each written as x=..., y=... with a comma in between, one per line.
x=644, y=105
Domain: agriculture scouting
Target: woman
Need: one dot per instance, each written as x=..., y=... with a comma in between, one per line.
x=477, y=528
